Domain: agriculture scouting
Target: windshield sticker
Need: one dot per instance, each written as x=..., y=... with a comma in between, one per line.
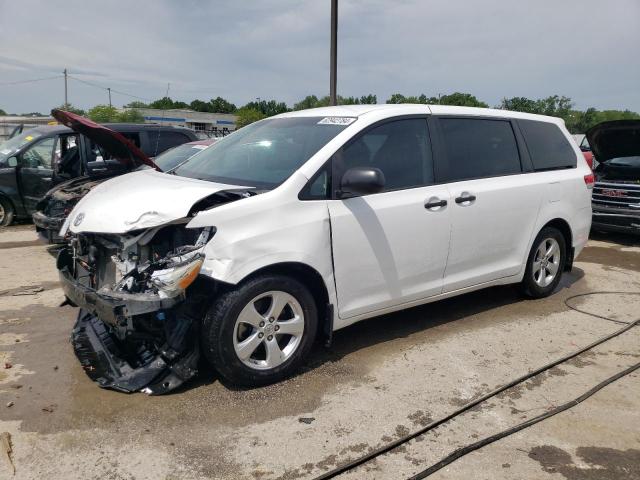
x=337, y=121
x=28, y=138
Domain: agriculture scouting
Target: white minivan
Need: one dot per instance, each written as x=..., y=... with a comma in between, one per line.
x=301, y=224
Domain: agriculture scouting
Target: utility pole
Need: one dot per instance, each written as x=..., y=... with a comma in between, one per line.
x=333, y=97
x=66, y=99
x=109, y=90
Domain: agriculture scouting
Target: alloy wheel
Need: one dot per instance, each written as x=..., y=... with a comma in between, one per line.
x=268, y=330
x=546, y=262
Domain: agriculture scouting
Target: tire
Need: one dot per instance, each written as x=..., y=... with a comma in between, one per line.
x=6, y=212
x=241, y=342
x=544, y=270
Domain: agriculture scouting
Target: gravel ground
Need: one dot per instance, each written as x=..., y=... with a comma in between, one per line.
x=382, y=379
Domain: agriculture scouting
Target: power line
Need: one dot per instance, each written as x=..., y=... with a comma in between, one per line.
x=19, y=82
x=106, y=89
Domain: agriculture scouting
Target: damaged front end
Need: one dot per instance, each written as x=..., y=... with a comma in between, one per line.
x=134, y=331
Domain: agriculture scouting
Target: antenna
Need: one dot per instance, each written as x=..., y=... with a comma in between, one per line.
x=162, y=120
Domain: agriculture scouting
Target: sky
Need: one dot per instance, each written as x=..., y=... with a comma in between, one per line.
x=279, y=49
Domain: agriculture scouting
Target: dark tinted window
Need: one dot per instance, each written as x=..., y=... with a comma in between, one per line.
x=400, y=149
x=478, y=148
x=548, y=147
x=163, y=140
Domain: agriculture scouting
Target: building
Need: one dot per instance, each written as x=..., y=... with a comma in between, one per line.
x=9, y=123
x=210, y=123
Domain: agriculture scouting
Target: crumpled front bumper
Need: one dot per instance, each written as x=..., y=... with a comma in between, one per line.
x=123, y=366
x=48, y=227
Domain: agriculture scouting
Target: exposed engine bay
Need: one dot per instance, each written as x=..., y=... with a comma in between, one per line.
x=134, y=331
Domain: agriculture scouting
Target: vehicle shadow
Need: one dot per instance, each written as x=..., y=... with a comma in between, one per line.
x=402, y=324
x=626, y=239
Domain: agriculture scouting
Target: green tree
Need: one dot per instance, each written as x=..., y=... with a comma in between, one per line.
x=220, y=105
x=67, y=107
x=268, y=107
x=2, y=112
x=129, y=116
x=165, y=103
x=200, y=106
x=136, y=104
x=246, y=116
x=462, y=100
x=103, y=114
x=180, y=105
x=399, y=98
x=310, y=101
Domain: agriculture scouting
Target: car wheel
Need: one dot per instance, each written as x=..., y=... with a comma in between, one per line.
x=260, y=332
x=545, y=263
x=6, y=212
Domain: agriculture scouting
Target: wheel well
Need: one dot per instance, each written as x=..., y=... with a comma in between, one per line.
x=565, y=229
x=308, y=276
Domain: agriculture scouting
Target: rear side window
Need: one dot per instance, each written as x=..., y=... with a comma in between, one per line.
x=399, y=148
x=548, y=147
x=478, y=148
x=162, y=140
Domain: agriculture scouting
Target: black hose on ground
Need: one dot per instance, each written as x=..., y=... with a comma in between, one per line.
x=461, y=452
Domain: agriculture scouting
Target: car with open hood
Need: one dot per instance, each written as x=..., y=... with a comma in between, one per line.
x=304, y=223
x=616, y=193
x=35, y=160
x=119, y=155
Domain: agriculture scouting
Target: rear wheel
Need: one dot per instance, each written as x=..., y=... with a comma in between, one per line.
x=260, y=332
x=545, y=263
x=6, y=212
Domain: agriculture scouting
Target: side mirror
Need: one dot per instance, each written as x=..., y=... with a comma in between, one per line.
x=361, y=181
x=12, y=162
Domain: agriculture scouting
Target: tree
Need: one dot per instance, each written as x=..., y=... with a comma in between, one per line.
x=310, y=101
x=136, y=104
x=103, y=114
x=129, y=116
x=67, y=107
x=2, y=112
x=268, y=108
x=462, y=100
x=399, y=98
x=165, y=103
x=246, y=116
x=220, y=105
x=200, y=106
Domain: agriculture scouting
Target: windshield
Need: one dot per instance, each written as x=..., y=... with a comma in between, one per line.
x=172, y=158
x=13, y=145
x=264, y=154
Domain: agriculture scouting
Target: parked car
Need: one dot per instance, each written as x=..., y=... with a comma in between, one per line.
x=616, y=193
x=58, y=202
x=585, y=148
x=301, y=224
x=34, y=161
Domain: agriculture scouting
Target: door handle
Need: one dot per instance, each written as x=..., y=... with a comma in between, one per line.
x=465, y=197
x=434, y=202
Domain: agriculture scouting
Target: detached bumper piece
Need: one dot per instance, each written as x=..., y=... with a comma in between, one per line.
x=48, y=227
x=118, y=366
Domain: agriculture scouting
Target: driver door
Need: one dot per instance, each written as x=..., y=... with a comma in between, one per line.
x=35, y=171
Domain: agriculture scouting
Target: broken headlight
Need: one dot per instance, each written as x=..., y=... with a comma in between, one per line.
x=176, y=279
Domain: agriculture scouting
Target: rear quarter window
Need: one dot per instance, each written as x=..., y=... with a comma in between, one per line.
x=548, y=147
x=162, y=140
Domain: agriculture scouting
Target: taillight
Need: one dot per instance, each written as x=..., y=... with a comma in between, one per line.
x=589, y=180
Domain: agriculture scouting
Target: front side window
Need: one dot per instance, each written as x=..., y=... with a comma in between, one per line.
x=548, y=147
x=14, y=144
x=400, y=149
x=40, y=154
x=263, y=154
x=478, y=148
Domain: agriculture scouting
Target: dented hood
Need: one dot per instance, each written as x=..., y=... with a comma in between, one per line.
x=615, y=139
x=137, y=200
x=113, y=142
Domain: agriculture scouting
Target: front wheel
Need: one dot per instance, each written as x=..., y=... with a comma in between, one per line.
x=260, y=332
x=545, y=263
x=6, y=212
